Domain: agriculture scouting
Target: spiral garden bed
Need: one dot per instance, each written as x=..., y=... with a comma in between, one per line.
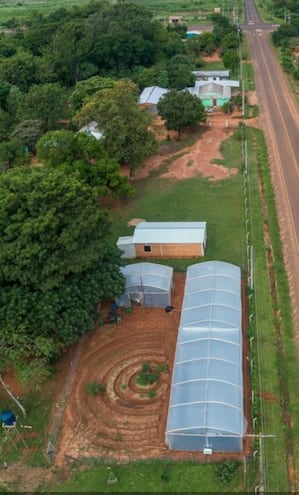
x=126, y=421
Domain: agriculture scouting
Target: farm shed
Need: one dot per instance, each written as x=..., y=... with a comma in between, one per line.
x=147, y=284
x=170, y=239
x=206, y=399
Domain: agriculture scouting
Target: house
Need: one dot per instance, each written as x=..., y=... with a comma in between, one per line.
x=92, y=129
x=150, y=97
x=214, y=93
x=175, y=19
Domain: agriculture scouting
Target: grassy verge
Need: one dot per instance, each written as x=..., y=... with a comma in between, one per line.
x=274, y=342
x=27, y=444
x=153, y=476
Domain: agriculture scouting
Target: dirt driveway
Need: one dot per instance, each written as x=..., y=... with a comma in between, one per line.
x=197, y=159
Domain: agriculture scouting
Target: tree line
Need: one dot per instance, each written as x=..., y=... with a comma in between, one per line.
x=57, y=73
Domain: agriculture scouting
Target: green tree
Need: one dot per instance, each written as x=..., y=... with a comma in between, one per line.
x=50, y=227
x=180, y=72
x=87, y=88
x=231, y=60
x=13, y=154
x=207, y=43
x=180, y=109
x=28, y=133
x=229, y=42
x=83, y=155
x=57, y=262
x=37, y=325
x=125, y=126
x=19, y=70
x=46, y=103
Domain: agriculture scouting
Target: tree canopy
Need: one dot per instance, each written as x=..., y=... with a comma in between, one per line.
x=126, y=135
x=180, y=109
x=57, y=262
x=84, y=156
x=50, y=227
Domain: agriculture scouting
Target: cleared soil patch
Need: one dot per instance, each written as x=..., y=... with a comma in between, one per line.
x=124, y=423
x=198, y=158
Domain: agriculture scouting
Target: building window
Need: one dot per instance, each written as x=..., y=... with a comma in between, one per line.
x=147, y=249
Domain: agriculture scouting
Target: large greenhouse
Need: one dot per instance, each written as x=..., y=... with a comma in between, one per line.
x=206, y=400
x=147, y=284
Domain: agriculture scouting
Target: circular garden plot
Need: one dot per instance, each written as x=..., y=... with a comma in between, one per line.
x=117, y=406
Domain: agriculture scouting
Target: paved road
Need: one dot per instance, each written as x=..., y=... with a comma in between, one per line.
x=280, y=121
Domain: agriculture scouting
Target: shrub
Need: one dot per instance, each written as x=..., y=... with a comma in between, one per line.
x=151, y=394
x=225, y=471
x=94, y=388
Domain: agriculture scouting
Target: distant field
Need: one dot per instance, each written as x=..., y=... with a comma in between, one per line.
x=192, y=11
x=21, y=9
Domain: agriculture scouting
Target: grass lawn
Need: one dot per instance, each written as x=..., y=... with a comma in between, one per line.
x=163, y=477
x=220, y=204
x=21, y=9
x=31, y=449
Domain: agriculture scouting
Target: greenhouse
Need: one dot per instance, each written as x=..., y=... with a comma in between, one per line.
x=147, y=284
x=206, y=399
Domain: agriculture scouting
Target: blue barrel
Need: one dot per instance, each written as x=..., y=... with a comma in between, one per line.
x=7, y=417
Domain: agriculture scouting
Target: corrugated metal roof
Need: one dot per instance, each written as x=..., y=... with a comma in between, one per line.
x=223, y=83
x=151, y=95
x=170, y=232
x=92, y=129
x=211, y=73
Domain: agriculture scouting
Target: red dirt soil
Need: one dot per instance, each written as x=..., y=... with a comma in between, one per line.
x=124, y=424
x=198, y=158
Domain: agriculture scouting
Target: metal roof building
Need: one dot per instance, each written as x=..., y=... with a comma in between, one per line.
x=169, y=232
x=152, y=95
x=206, y=401
x=170, y=239
x=207, y=74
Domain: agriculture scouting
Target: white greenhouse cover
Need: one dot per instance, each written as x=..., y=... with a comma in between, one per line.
x=148, y=275
x=148, y=284
x=206, y=398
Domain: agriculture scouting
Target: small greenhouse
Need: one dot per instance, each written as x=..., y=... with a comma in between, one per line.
x=147, y=284
x=206, y=399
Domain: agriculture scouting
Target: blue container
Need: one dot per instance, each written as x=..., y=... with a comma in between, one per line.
x=7, y=417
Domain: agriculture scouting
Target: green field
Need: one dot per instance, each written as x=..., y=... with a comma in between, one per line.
x=21, y=9
x=192, y=11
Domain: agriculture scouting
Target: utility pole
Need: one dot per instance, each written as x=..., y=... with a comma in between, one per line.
x=12, y=396
x=261, y=466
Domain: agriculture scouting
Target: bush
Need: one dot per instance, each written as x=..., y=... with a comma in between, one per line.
x=94, y=388
x=225, y=471
x=149, y=375
x=151, y=394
